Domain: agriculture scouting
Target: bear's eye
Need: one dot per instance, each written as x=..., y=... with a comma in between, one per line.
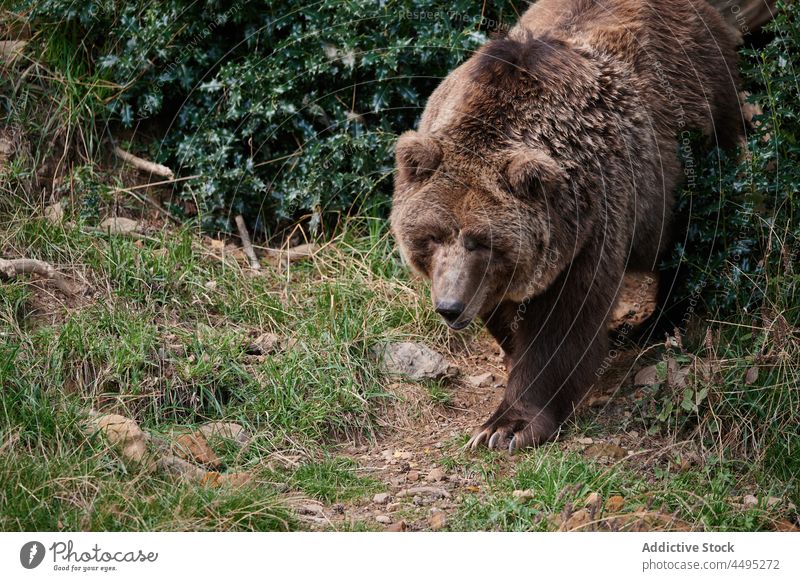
x=472, y=244
x=430, y=239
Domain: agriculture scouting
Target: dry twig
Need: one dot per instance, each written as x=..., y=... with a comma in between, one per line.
x=143, y=164
x=12, y=268
x=247, y=245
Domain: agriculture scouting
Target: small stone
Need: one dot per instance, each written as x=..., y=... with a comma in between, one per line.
x=227, y=431
x=435, y=475
x=382, y=498
x=311, y=509
x=119, y=225
x=585, y=441
x=432, y=491
x=751, y=376
x=264, y=344
x=437, y=521
x=384, y=519
x=606, y=450
x=615, y=503
x=122, y=433
x=398, y=527
x=54, y=213
x=750, y=500
x=416, y=361
x=210, y=285
x=180, y=467
x=402, y=455
x=413, y=476
x=194, y=446
x=578, y=520
x=482, y=380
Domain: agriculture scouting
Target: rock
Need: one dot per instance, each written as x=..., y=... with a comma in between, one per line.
x=579, y=519
x=437, y=521
x=585, y=441
x=384, y=519
x=636, y=301
x=211, y=285
x=646, y=376
x=382, y=498
x=311, y=509
x=180, y=467
x=523, y=495
x=432, y=491
x=119, y=225
x=194, y=446
x=751, y=376
x=416, y=361
x=265, y=344
x=54, y=213
x=605, y=450
x=483, y=380
x=398, y=527
x=412, y=476
x=615, y=503
x=227, y=431
x=402, y=455
x=122, y=433
x=436, y=475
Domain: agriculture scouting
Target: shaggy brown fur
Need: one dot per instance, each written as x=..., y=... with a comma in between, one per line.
x=546, y=164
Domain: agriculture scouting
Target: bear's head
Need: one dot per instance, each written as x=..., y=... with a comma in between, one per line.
x=493, y=195
x=480, y=227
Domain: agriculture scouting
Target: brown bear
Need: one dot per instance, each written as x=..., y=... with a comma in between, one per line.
x=543, y=167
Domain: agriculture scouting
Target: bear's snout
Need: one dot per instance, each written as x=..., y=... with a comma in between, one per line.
x=451, y=310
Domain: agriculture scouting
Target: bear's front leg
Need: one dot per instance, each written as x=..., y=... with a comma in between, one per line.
x=557, y=342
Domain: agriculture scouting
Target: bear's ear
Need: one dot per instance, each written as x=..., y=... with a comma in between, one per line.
x=532, y=172
x=417, y=156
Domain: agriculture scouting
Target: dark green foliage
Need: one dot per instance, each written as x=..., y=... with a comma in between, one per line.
x=741, y=216
x=287, y=112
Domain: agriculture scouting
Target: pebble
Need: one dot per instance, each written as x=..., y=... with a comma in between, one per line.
x=435, y=475
x=382, y=498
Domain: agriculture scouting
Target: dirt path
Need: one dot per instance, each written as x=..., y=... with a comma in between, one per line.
x=424, y=486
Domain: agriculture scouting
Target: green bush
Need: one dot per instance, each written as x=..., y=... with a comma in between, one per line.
x=287, y=112
x=739, y=220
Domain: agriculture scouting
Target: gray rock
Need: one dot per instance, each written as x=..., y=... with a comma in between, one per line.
x=119, y=225
x=483, y=380
x=381, y=498
x=415, y=361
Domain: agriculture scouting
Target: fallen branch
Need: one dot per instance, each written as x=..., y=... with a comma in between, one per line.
x=289, y=255
x=12, y=268
x=143, y=164
x=247, y=246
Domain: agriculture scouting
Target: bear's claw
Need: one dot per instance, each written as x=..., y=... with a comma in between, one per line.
x=519, y=434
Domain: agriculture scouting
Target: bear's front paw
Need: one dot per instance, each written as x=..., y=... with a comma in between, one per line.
x=514, y=432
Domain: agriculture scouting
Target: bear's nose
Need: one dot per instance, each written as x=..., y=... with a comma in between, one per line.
x=450, y=310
